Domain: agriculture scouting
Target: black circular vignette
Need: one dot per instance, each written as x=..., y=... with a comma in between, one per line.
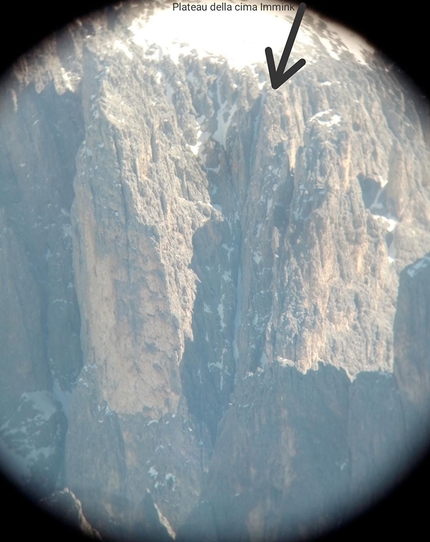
x=401, y=34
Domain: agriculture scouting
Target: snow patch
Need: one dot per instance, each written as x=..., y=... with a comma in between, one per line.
x=256, y=256
x=202, y=137
x=389, y=223
x=158, y=76
x=382, y=181
x=334, y=118
x=169, y=93
x=67, y=230
x=221, y=313
x=224, y=117
x=151, y=422
x=329, y=48
x=392, y=253
x=227, y=276
x=285, y=362
x=375, y=204
x=419, y=265
x=120, y=46
x=63, y=397
x=152, y=472
x=42, y=402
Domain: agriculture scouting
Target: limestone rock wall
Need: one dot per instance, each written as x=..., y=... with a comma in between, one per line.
x=219, y=292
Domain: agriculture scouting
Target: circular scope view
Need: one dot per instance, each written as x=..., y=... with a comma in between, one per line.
x=214, y=293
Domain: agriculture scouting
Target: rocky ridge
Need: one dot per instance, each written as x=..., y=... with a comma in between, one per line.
x=216, y=289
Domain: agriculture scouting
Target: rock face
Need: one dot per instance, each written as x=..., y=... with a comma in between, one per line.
x=214, y=294
x=411, y=329
x=65, y=504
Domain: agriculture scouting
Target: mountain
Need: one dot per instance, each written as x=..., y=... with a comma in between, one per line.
x=65, y=504
x=214, y=294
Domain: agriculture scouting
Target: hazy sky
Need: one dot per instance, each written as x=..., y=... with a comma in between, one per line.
x=239, y=36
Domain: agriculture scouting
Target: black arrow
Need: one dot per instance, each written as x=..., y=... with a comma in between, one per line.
x=277, y=76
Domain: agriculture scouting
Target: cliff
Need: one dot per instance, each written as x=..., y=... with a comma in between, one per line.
x=214, y=294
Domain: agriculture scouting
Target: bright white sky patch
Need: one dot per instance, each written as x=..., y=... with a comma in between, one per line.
x=241, y=37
